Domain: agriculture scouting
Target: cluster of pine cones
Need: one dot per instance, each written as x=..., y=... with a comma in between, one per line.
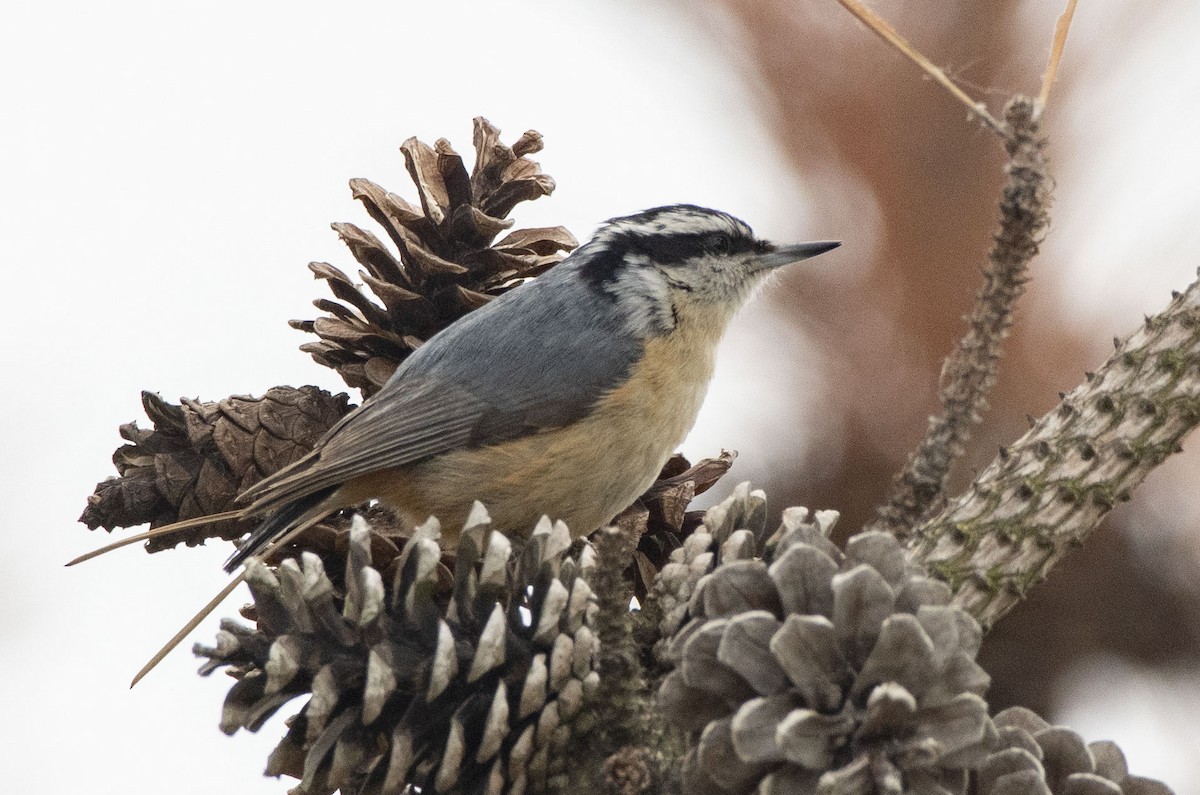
x=772, y=662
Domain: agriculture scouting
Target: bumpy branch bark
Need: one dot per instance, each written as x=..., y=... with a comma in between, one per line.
x=1049, y=490
x=970, y=370
x=624, y=744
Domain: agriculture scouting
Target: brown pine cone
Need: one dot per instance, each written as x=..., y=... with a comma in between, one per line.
x=445, y=262
x=199, y=456
x=660, y=516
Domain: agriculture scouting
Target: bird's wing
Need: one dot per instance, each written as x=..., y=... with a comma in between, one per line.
x=535, y=358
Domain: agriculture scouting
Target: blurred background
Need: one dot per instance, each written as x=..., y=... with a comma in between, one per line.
x=166, y=172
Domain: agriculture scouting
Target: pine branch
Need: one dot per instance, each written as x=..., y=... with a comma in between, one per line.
x=624, y=745
x=1046, y=492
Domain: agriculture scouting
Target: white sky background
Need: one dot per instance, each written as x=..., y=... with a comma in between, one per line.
x=164, y=178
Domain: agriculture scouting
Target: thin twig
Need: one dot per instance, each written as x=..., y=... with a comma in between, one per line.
x=1056, y=50
x=889, y=34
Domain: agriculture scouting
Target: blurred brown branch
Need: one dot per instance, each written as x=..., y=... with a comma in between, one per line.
x=918, y=200
x=882, y=28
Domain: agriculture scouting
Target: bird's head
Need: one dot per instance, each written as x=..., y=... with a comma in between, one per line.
x=659, y=260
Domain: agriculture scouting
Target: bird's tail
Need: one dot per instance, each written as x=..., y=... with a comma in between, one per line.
x=278, y=523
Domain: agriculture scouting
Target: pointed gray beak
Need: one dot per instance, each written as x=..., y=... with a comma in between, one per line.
x=779, y=256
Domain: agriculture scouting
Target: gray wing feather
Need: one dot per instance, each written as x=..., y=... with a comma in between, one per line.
x=538, y=357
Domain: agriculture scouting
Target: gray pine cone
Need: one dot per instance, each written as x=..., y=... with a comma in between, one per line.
x=462, y=683
x=810, y=670
x=1035, y=758
x=732, y=530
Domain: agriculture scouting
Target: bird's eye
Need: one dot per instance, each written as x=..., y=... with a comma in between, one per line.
x=718, y=244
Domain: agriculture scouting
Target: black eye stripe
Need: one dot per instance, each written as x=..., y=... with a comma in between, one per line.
x=666, y=236
x=670, y=249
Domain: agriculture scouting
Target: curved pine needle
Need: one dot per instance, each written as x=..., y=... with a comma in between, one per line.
x=166, y=529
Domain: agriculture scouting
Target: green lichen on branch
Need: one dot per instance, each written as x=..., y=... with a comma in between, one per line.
x=1047, y=491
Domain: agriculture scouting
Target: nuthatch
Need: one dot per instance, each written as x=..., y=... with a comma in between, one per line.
x=564, y=396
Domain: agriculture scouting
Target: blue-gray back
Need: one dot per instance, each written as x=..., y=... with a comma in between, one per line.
x=537, y=357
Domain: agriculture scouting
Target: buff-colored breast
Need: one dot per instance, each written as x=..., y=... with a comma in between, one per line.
x=584, y=473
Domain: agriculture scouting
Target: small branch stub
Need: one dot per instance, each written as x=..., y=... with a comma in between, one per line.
x=970, y=371
x=1056, y=50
